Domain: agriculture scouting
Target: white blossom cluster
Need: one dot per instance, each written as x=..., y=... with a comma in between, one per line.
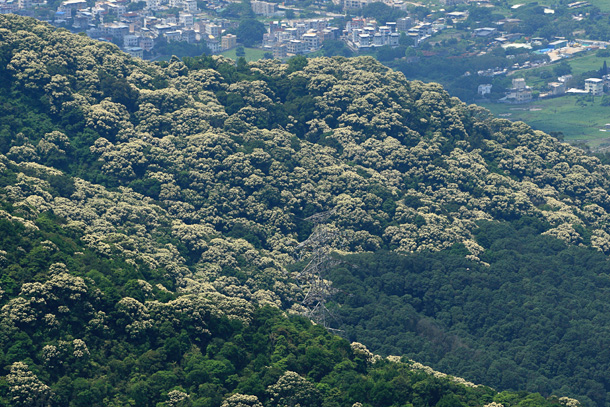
x=25, y=388
x=432, y=372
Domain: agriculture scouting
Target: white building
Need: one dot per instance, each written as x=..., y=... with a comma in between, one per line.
x=213, y=29
x=213, y=44
x=146, y=43
x=296, y=47
x=135, y=52
x=519, y=83
x=69, y=6
x=394, y=39
x=190, y=6
x=263, y=8
x=311, y=41
x=130, y=41
x=186, y=20
x=173, y=36
x=594, y=86
x=355, y=3
x=484, y=89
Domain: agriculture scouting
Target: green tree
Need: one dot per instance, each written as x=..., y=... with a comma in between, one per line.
x=250, y=32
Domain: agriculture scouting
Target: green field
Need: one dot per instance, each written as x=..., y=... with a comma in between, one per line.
x=588, y=62
x=603, y=5
x=252, y=54
x=563, y=114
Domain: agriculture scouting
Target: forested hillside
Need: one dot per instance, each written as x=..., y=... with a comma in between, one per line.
x=535, y=318
x=157, y=217
x=81, y=329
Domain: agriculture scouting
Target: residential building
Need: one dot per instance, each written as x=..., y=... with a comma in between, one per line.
x=557, y=88
x=292, y=32
x=186, y=20
x=403, y=24
x=485, y=31
x=522, y=95
x=188, y=35
x=347, y=4
x=228, y=41
x=296, y=47
x=594, y=86
x=172, y=36
x=116, y=9
x=213, y=29
x=146, y=43
x=115, y=30
x=484, y=89
x=70, y=6
x=190, y=6
x=520, y=92
x=394, y=40
x=131, y=41
x=280, y=51
x=161, y=29
x=263, y=8
x=519, y=83
x=59, y=17
x=355, y=23
x=8, y=7
x=364, y=40
x=213, y=44
x=378, y=40
x=135, y=52
x=153, y=4
x=311, y=40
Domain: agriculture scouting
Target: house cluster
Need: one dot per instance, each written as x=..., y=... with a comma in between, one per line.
x=286, y=38
x=362, y=33
x=14, y=6
x=356, y=4
x=592, y=86
x=521, y=93
x=138, y=31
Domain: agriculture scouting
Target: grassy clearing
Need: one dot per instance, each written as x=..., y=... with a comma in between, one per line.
x=252, y=54
x=563, y=114
x=588, y=62
x=603, y=5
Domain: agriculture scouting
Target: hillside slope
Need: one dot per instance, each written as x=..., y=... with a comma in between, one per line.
x=203, y=179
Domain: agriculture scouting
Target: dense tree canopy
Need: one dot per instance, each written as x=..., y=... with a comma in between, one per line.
x=250, y=32
x=160, y=209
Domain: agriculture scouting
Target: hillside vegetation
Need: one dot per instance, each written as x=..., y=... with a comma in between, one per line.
x=153, y=215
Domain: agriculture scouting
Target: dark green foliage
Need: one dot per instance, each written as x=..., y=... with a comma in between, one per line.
x=382, y=13
x=118, y=90
x=562, y=68
x=181, y=48
x=250, y=32
x=336, y=47
x=509, y=323
x=234, y=357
